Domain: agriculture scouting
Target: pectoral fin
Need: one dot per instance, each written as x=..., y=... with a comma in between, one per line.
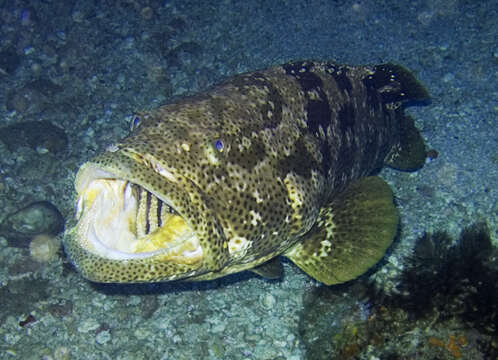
x=352, y=233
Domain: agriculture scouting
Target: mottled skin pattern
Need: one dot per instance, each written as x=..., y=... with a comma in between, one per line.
x=252, y=161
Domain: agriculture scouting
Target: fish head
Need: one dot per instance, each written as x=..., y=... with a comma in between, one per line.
x=139, y=217
x=202, y=188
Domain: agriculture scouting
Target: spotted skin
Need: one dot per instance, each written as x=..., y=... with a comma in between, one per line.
x=251, y=162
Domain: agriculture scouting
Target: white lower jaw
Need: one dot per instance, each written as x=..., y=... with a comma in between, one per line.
x=112, y=254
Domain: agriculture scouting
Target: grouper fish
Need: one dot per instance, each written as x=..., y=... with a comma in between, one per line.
x=273, y=162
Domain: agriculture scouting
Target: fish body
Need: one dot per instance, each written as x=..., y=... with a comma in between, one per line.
x=272, y=162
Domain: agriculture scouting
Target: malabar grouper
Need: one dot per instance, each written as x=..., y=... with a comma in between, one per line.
x=268, y=163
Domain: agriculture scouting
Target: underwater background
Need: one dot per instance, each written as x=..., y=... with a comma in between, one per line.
x=72, y=75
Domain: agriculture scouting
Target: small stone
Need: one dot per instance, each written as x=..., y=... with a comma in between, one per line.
x=142, y=334
x=176, y=339
x=78, y=16
x=448, y=77
x=217, y=328
x=88, y=325
x=29, y=50
x=103, y=337
x=62, y=353
x=147, y=13
x=252, y=337
x=36, y=68
x=44, y=248
x=11, y=339
x=133, y=300
x=269, y=301
x=42, y=150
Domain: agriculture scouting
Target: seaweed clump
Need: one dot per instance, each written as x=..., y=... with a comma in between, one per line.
x=453, y=279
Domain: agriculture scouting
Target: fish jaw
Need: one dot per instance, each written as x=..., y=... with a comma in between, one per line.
x=138, y=228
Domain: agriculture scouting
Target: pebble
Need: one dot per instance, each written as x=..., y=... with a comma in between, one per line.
x=142, y=333
x=269, y=301
x=448, y=77
x=217, y=328
x=88, y=325
x=62, y=353
x=103, y=337
x=44, y=248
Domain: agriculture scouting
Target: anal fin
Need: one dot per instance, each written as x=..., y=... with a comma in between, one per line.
x=409, y=154
x=272, y=269
x=351, y=235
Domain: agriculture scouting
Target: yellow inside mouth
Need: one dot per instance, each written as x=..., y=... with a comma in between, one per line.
x=121, y=220
x=174, y=229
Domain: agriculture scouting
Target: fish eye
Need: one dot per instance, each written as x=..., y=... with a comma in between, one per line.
x=135, y=122
x=218, y=144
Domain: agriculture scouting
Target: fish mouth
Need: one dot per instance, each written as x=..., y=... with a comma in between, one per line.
x=118, y=219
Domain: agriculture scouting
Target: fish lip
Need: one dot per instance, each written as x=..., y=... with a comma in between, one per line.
x=93, y=243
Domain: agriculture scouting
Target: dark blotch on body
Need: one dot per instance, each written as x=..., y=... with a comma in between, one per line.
x=341, y=79
x=258, y=80
x=299, y=162
x=250, y=157
x=346, y=116
x=317, y=108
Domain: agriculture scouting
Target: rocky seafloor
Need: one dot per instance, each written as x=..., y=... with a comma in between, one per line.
x=74, y=72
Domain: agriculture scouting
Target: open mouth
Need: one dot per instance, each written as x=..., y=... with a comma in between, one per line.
x=120, y=220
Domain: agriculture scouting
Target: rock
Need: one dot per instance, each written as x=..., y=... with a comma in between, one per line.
x=40, y=217
x=43, y=248
x=38, y=135
x=34, y=97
